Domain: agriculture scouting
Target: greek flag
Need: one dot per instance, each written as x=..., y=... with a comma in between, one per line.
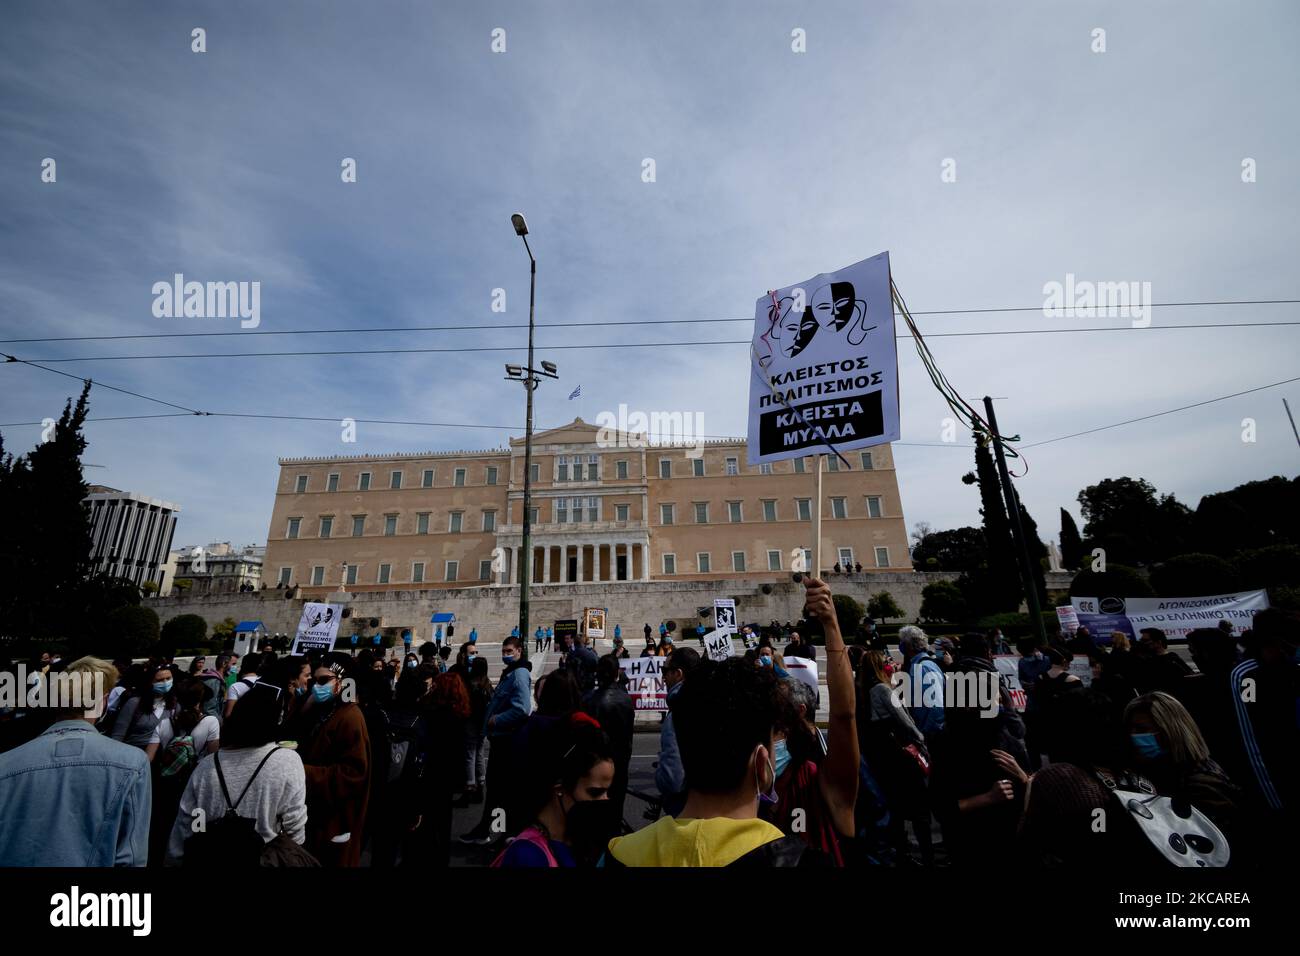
x=575, y=393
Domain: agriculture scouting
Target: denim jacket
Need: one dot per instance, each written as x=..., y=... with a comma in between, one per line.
x=73, y=797
x=510, y=700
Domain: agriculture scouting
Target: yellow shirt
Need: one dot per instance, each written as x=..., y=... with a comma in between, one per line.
x=716, y=841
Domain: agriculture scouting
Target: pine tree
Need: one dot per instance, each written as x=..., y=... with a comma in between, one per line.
x=999, y=583
x=45, y=542
x=1071, y=542
x=1037, y=552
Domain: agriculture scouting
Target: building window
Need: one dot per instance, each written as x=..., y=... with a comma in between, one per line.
x=363, y=481
x=492, y=474
x=422, y=523
x=873, y=506
x=846, y=558
x=805, y=508
x=489, y=521
x=459, y=480
x=665, y=468
x=867, y=464
x=665, y=514
x=733, y=466
x=536, y=475
x=333, y=483
x=426, y=480
x=697, y=467
x=769, y=510
x=390, y=525
x=703, y=562
x=593, y=468
x=774, y=560
x=738, y=561
x=620, y=512
x=395, y=480
x=882, y=557
x=561, y=510
x=285, y=575
x=765, y=468
x=417, y=572
x=302, y=484
x=807, y=558
x=485, y=570
x=385, y=570
x=326, y=527
x=670, y=564
x=351, y=573
x=358, y=525
x=733, y=512
x=562, y=472
x=621, y=469
x=832, y=463
x=838, y=509
x=318, y=575
x=453, y=567
x=593, y=509
x=800, y=466
x=294, y=523
x=454, y=524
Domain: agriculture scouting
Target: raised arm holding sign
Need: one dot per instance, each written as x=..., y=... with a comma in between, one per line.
x=839, y=777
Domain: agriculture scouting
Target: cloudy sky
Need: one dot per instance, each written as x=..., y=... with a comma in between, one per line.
x=770, y=166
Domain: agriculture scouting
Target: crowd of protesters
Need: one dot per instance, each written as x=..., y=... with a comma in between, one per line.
x=338, y=760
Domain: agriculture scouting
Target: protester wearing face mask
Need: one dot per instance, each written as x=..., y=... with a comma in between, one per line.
x=670, y=776
x=817, y=791
x=140, y=714
x=565, y=779
x=1169, y=750
x=335, y=750
x=506, y=712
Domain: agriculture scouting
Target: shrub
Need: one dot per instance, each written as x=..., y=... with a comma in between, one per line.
x=1117, y=580
x=1192, y=575
x=944, y=602
x=184, y=630
x=883, y=606
x=129, y=631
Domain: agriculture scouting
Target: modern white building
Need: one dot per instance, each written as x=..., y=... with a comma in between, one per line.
x=130, y=534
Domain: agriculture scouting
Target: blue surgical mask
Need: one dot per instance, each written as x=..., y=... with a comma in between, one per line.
x=1147, y=746
x=322, y=692
x=163, y=687
x=508, y=658
x=469, y=658
x=300, y=691
x=765, y=661
x=411, y=663
x=782, y=755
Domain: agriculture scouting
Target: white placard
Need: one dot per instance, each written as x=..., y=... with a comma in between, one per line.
x=724, y=615
x=824, y=365
x=717, y=645
x=318, y=627
x=646, y=682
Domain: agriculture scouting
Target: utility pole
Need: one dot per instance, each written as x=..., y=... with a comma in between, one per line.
x=1292, y=417
x=1017, y=530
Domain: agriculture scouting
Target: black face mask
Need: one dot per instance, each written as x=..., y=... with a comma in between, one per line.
x=588, y=827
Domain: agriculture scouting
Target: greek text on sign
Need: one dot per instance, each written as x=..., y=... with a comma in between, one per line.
x=825, y=365
x=645, y=682
x=718, y=646
x=318, y=627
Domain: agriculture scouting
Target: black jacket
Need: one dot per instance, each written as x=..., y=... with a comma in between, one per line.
x=613, y=709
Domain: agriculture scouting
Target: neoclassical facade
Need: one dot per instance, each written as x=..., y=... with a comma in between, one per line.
x=603, y=511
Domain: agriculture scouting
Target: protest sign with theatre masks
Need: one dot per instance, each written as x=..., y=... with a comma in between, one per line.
x=824, y=366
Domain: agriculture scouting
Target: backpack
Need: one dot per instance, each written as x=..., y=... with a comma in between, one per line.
x=231, y=841
x=212, y=706
x=179, y=757
x=403, y=735
x=1184, y=839
x=534, y=836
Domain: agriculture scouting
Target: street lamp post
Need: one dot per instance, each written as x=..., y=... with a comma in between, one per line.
x=529, y=376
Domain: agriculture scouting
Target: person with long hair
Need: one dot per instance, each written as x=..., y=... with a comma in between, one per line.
x=430, y=792
x=565, y=782
x=250, y=763
x=506, y=711
x=293, y=676
x=1168, y=748
x=152, y=699
x=895, y=751
x=480, y=693
x=816, y=787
